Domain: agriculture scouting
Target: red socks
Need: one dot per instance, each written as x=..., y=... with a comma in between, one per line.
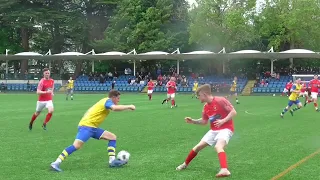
x=191, y=155
x=150, y=96
x=223, y=159
x=315, y=105
x=48, y=117
x=34, y=117
x=173, y=102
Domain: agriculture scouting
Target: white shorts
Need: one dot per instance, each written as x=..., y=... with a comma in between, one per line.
x=285, y=90
x=43, y=104
x=150, y=91
x=304, y=93
x=171, y=95
x=211, y=137
x=314, y=95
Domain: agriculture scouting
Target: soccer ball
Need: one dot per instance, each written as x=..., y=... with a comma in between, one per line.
x=123, y=155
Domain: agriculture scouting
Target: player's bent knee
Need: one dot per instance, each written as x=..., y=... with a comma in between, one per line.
x=50, y=109
x=78, y=144
x=200, y=146
x=108, y=136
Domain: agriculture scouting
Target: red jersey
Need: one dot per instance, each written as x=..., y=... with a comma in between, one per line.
x=219, y=106
x=150, y=85
x=289, y=85
x=45, y=85
x=171, y=85
x=314, y=85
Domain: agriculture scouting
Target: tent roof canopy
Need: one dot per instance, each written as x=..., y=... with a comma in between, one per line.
x=70, y=54
x=298, y=51
x=28, y=54
x=200, y=52
x=112, y=53
x=155, y=53
x=160, y=55
x=246, y=52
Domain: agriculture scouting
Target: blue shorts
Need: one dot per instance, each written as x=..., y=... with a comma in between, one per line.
x=290, y=103
x=85, y=133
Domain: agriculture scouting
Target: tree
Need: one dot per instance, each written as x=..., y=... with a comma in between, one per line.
x=156, y=25
x=291, y=24
x=221, y=23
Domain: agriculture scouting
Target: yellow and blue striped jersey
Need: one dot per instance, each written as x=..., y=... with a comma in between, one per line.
x=97, y=113
x=295, y=96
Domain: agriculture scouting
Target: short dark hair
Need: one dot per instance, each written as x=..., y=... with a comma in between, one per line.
x=45, y=69
x=114, y=93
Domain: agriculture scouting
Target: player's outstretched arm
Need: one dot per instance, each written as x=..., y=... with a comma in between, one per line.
x=122, y=107
x=196, y=121
x=110, y=105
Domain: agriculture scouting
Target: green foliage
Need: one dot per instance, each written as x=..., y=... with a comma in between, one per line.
x=157, y=25
x=293, y=22
x=219, y=23
x=146, y=26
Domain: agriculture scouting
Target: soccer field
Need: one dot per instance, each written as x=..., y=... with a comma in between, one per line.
x=158, y=139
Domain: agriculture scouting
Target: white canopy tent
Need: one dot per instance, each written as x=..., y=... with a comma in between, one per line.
x=160, y=55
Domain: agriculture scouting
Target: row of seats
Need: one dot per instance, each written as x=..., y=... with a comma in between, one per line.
x=120, y=78
x=267, y=90
x=104, y=88
x=97, y=85
x=180, y=89
x=25, y=87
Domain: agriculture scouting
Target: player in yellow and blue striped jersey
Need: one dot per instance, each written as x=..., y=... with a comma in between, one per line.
x=293, y=98
x=89, y=128
x=70, y=86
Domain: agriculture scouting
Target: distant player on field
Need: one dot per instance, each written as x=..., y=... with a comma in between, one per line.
x=89, y=128
x=293, y=98
x=314, y=86
x=172, y=88
x=233, y=89
x=45, y=91
x=194, y=89
x=70, y=87
x=220, y=113
x=150, y=89
x=287, y=89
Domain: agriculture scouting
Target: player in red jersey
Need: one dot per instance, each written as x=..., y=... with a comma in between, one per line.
x=150, y=88
x=219, y=112
x=172, y=87
x=314, y=86
x=303, y=91
x=45, y=92
x=287, y=88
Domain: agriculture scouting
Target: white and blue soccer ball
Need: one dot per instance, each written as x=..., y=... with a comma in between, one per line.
x=123, y=155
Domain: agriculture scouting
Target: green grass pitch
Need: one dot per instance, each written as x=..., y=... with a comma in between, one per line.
x=158, y=139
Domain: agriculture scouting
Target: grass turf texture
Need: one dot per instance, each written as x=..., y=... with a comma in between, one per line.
x=158, y=139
